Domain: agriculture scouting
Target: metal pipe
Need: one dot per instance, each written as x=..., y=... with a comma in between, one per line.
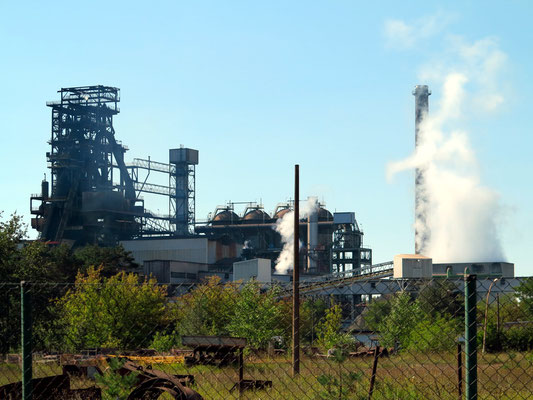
x=459, y=370
x=470, y=337
x=498, y=314
x=486, y=314
x=296, y=277
x=26, y=336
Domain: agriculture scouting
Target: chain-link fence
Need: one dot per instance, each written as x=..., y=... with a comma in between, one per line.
x=118, y=338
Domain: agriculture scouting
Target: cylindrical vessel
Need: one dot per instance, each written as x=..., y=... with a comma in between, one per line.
x=421, y=93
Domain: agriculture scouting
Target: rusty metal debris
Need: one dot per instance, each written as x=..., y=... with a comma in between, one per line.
x=213, y=350
x=151, y=383
x=51, y=387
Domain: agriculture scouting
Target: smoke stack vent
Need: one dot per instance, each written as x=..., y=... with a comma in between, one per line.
x=421, y=93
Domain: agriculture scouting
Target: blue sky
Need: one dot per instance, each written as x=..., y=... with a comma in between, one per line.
x=260, y=86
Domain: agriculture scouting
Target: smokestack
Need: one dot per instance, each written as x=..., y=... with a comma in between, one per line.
x=312, y=237
x=422, y=234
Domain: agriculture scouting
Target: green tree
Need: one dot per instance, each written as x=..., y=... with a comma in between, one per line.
x=207, y=309
x=257, y=316
x=397, y=326
x=118, y=311
x=329, y=330
x=509, y=308
x=312, y=310
x=112, y=259
x=376, y=312
x=441, y=297
x=525, y=295
x=12, y=232
x=439, y=333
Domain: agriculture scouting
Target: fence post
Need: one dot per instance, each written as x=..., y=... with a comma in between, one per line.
x=26, y=339
x=470, y=337
x=374, y=370
x=460, y=370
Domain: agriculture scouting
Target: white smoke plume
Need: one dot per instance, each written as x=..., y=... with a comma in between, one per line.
x=461, y=213
x=285, y=227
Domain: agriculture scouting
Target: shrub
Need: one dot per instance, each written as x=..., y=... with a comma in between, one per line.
x=118, y=311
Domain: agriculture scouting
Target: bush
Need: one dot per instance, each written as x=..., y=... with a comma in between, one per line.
x=434, y=335
x=165, y=342
x=112, y=312
x=116, y=386
x=518, y=338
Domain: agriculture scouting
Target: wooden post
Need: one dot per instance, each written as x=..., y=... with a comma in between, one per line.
x=296, y=277
x=374, y=369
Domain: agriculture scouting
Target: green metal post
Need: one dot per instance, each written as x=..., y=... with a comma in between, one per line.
x=470, y=338
x=25, y=318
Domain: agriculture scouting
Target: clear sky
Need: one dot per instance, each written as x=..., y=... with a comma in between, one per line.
x=260, y=86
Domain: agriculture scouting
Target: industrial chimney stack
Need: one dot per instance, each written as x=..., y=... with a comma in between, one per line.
x=422, y=234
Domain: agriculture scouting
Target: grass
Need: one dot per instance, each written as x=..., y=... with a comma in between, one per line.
x=400, y=376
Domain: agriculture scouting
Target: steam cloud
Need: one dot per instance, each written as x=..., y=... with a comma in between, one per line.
x=285, y=227
x=461, y=213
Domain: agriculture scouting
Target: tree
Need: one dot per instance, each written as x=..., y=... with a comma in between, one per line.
x=525, y=295
x=257, y=316
x=207, y=309
x=397, y=326
x=12, y=232
x=312, y=310
x=441, y=297
x=329, y=330
x=439, y=333
x=508, y=308
x=112, y=259
x=118, y=311
x=376, y=312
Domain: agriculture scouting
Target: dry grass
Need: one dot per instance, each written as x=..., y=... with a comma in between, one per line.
x=401, y=376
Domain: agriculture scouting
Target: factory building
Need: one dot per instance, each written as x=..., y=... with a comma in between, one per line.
x=406, y=266
x=94, y=197
x=330, y=242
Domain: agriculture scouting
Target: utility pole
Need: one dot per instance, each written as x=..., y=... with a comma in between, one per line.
x=296, y=277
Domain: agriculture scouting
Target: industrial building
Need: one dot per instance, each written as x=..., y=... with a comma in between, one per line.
x=330, y=242
x=94, y=197
x=406, y=266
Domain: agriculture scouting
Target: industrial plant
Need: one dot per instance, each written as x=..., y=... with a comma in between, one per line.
x=94, y=197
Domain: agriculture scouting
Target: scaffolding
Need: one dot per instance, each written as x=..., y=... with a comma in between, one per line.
x=348, y=256
x=181, y=173
x=89, y=202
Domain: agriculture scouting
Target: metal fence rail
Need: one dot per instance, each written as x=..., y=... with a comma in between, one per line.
x=118, y=338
